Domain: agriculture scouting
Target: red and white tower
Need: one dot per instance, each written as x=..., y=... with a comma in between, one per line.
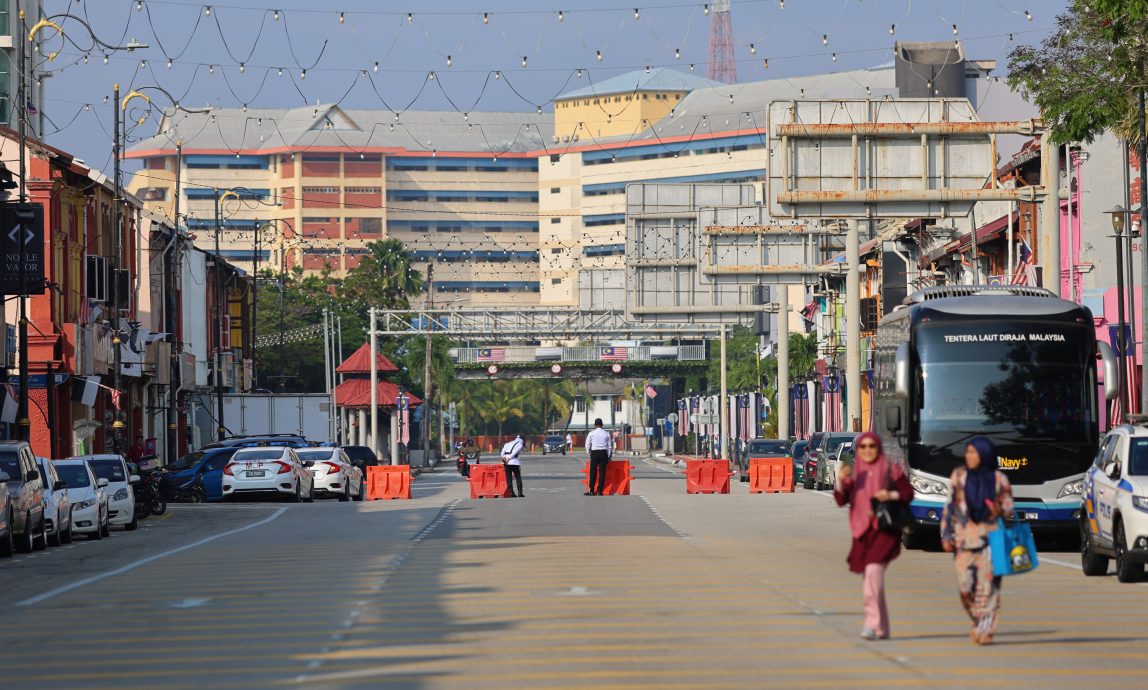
x=722, y=66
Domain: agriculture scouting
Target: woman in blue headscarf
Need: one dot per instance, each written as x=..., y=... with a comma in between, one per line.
x=978, y=495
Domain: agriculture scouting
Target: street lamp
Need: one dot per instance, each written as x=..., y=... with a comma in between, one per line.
x=1118, y=215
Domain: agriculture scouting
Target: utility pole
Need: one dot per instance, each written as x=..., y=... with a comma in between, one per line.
x=374, y=370
x=1143, y=149
x=853, y=324
x=783, y=362
x=723, y=404
x=428, y=385
x=175, y=298
x=219, y=298
x=255, y=311
x=114, y=288
x=282, y=306
x=24, y=424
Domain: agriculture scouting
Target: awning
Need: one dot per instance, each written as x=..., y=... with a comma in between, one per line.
x=989, y=231
x=360, y=362
x=356, y=393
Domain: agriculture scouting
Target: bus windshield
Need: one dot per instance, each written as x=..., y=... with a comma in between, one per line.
x=1026, y=385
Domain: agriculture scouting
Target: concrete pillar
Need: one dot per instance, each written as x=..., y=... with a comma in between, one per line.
x=1050, y=214
x=782, y=292
x=853, y=325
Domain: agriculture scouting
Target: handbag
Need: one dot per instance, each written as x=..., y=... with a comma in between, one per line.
x=891, y=516
x=1012, y=548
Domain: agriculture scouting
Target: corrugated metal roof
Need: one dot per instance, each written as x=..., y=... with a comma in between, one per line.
x=657, y=79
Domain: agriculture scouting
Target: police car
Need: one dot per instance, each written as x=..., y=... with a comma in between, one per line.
x=1114, y=523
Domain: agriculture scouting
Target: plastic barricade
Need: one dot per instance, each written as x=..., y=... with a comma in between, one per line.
x=388, y=482
x=488, y=481
x=707, y=477
x=618, y=476
x=771, y=475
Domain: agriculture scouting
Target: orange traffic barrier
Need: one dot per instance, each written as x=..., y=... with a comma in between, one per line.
x=707, y=477
x=771, y=475
x=488, y=481
x=617, y=478
x=388, y=482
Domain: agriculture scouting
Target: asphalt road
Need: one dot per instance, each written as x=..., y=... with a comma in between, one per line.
x=655, y=590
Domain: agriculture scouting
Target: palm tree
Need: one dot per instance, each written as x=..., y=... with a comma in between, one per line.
x=386, y=277
x=502, y=401
x=556, y=395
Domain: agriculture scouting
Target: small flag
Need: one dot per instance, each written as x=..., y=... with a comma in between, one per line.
x=492, y=354
x=84, y=389
x=1025, y=273
x=115, y=397
x=650, y=392
x=405, y=419
x=832, y=399
x=10, y=404
x=613, y=354
x=84, y=317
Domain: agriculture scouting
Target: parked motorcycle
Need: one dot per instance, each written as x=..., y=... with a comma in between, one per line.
x=149, y=495
x=191, y=491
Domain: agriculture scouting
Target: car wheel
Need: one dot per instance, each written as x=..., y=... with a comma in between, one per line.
x=41, y=542
x=297, y=497
x=66, y=537
x=56, y=538
x=807, y=483
x=27, y=540
x=7, y=545
x=1126, y=569
x=362, y=490
x=133, y=525
x=1092, y=563
x=310, y=495
x=99, y=533
x=107, y=528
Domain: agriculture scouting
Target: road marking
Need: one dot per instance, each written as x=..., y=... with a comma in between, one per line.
x=144, y=561
x=659, y=467
x=189, y=603
x=577, y=592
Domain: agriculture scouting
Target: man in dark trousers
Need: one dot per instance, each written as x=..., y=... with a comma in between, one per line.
x=513, y=466
x=600, y=445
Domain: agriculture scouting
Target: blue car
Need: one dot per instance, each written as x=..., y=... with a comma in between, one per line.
x=208, y=462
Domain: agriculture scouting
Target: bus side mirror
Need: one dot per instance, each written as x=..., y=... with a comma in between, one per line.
x=1111, y=370
x=893, y=418
x=901, y=372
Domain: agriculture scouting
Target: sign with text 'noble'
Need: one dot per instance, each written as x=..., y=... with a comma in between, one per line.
x=22, y=225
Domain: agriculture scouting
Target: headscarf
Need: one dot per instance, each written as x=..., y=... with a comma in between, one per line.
x=981, y=483
x=868, y=479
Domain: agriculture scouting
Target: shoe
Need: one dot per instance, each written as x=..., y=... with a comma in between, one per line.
x=521, y=496
x=868, y=634
x=588, y=493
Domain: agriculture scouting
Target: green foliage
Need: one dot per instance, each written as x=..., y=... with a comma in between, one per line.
x=743, y=365
x=385, y=278
x=507, y=406
x=1085, y=76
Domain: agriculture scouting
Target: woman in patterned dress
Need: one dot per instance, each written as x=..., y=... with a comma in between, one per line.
x=978, y=495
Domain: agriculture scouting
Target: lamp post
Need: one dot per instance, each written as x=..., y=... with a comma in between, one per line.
x=219, y=327
x=1118, y=214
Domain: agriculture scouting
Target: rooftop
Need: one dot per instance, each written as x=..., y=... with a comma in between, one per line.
x=656, y=79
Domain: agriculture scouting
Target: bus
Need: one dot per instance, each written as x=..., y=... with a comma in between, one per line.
x=1015, y=364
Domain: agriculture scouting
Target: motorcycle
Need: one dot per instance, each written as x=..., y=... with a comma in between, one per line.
x=465, y=460
x=191, y=491
x=149, y=495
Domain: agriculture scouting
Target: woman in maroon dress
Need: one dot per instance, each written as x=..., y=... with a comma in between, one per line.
x=873, y=479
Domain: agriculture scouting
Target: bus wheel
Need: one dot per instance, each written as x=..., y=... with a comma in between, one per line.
x=912, y=539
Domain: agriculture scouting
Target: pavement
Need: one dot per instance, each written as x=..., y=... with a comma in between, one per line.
x=556, y=590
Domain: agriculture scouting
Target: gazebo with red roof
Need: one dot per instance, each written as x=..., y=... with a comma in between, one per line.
x=354, y=393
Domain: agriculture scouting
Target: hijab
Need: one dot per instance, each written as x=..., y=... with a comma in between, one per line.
x=981, y=483
x=868, y=479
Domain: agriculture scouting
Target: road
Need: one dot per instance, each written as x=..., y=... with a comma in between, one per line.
x=556, y=590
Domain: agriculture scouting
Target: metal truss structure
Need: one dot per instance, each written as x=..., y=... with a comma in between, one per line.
x=508, y=324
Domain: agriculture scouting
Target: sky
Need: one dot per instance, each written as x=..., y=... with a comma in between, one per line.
x=371, y=54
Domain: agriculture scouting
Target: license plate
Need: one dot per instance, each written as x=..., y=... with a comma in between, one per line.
x=1031, y=516
x=255, y=473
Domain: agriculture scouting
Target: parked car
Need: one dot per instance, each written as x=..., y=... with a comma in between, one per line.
x=207, y=463
x=798, y=454
x=761, y=448
x=121, y=497
x=334, y=473
x=828, y=453
x=1114, y=522
x=362, y=456
x=280, y=440
x=809, y=466
x=88, y=495
x=7, y=545
x=269, y=470
x=57, y=504
x=26, y=493
x=554, y=444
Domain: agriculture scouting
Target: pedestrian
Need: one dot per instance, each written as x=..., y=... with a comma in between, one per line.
x=876, y=479
x=513, y=466
x=569, y=443
x=136, y=452
x=978, y=494
x=600, y=446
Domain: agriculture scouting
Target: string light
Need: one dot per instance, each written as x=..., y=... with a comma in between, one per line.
x=410, y=17
x=169, y=63
x=647, y=69
x=211, y=69
x=578, y=74
x=561, y=16
x=280, y=71
x=765, y=63
x=275, y=15
x=342, y=18
x=599, y=55
x=706, y=10
x=485, y=18
x=1028, y=15
x=86, y=59
x=637, y=14
x=954, y=29
x=677, y=54
x=498, y=74
x=752, y=49
x=824, y=39
x=303, y=74
x=449, y=61
x=105, y=58
x=207, y=11
x=242, y=68
x=139, y=5
x=834, y=57
x=892, y=29
x=523, y=60
x=376, y=65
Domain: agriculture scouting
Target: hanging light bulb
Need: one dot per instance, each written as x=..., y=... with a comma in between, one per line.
x=280, y=71
x=168, y=63
x=647, y=69
x=561, y=16
x=824, y=39
x=211, y=69
x=410, y=17
x=497, y=74
x=539, y=109
x=207, y=11
x=599, y=55
x=637, y=14
x=677, y=54
x=392, y=126
x=834, y=57
x=485, y=18
x=431, y=76
x=244, y=107
x=242, y=68
x=765, y=63
x=523, y=60
x=578, y=74
x=706, y=10
x=731, y=98
x=303, y=74
x=752, y=49
x=466, y=117
x=434, y=153
x=1028, y=15
x=782, y=4
x=85, y=58
x=449, y=61
x=867, y=91
x=143, y=64
x=396, y=117
x=892, y=29
x=139, y=5
x=691, y=67
x=275, y=15
x=105, y=58
x=954, y=29
x=342, y=18
x=87, y=106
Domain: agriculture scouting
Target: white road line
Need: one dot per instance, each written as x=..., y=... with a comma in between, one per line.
x=144, y=561
x=658, y=466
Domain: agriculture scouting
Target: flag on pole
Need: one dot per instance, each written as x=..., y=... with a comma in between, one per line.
x=832, y=400
x=613, y=354
x=10, y=403
x=115, y=397
x=84, y=389
x=650, y=392
x=800, y=410
x=405, y=419
x=492, y=354
x=1025, y=273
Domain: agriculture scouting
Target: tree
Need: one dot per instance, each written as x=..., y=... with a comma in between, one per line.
x=743, y=363
x=1086, y=76
x=385, y=278
x=300, y=299
x=503, y=401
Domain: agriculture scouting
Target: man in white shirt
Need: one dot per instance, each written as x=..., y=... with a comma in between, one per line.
x=513, y=466
x=600, y=446
x=569, y=443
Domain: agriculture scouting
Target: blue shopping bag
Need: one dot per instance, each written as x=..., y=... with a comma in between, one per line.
x=1012, y=548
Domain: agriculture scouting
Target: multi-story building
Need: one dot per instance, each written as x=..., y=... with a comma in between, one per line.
x=10, y=37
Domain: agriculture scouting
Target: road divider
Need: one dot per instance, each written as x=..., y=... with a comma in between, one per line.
x=618, y=476
x=771, y=475
x=707, y=476
x=388, y=482
x=488, y=481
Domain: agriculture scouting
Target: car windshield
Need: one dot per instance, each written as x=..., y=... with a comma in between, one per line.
x=75, y=476
x=244, y=455
x=769, y=447
x=10, y=465
x=111, y=470
x=555, y=439
x=186, y=462
x=834, y=442
x=359, y=452
x=1138, y=458
x=317, y=454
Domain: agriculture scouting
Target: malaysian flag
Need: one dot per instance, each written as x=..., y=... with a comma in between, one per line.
x=800, y=395
x=1025, y=269
x=745, y=417
x=84, y=316
x=492, y=354
x=613, y=354
x=405, y=419
x=116, y=395
x=683, y=419
x=832, y=401
x=650, y=392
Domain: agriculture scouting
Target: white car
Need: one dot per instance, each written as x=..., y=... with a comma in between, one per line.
x=1114, y=522
x=334, y=473
x=121, y=497
x=269, y=470
x=57, y=504
x=88, y=496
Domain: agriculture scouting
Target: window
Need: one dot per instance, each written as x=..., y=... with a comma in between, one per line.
x=320, y=190
x=553, y=281
x=555, y=221
x=618, y=404
x=372, y=226
x=315, y=219
x=555, y=190
x=556, y=250
x=364, y=190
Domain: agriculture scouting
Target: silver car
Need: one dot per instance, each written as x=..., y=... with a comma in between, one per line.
x=57, y=504
x=334, y=473
x=88, y=495
x=26, y=492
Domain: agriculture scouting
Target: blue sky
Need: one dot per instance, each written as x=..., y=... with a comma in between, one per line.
x=233, y=54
